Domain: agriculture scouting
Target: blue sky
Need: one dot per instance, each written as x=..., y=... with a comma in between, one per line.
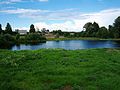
x=67, y=15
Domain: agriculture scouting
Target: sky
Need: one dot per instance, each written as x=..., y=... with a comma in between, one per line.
x=65, y=15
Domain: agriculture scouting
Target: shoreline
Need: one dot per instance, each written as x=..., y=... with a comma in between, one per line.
x=81, y=38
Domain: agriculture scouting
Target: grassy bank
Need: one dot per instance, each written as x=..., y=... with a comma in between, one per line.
x=80, y=38
x=58, y=69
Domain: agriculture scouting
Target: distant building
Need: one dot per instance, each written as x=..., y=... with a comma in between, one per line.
x=50, y=35
x=21, y=32
x=72, y=33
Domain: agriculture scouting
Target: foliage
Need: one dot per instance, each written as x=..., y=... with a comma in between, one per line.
x=117, y=27
x=58, y=69
x=34, y=37
x=32, y=28
x=8, y=29
x=17, y=37
x=57, y=32
x=117, y=23
x=6, y=40
x=102, y=33
x=0, y=28
x=91, y=29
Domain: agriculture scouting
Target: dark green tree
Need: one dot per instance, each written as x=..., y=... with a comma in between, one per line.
x=103, y=33
x=8, y=29
x=111, y=31
x=95, y=28
x=32, y=29
x=116, y=25
x=88, y=29
x=0, y=28
x=87, y=26
x=91, y=29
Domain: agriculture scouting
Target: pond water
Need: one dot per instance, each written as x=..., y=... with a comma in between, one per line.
x=70, y=44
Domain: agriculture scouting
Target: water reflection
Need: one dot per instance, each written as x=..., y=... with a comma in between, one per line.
x=70, y=44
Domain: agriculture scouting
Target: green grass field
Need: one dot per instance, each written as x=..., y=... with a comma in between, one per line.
x=58, y=69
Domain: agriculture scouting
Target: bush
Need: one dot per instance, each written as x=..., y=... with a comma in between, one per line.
x=6, y=41
x=34, y=37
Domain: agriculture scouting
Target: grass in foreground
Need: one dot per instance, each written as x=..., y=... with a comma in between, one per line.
x=58, y=69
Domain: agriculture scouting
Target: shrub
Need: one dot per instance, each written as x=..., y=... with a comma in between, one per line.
x=6, y=40
x=34, y=37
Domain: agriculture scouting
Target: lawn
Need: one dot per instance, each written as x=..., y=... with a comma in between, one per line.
x=59, y=69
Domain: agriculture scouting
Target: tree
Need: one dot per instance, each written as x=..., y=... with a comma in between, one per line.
x=95, y=28
x=102, y=33
x=8, y=29
x=6, y=40
x=0, y=28
x=32, y=29
x=116, y=25
x=34, y=38
x=111, y=31
x=87, y=26
x=91, y=29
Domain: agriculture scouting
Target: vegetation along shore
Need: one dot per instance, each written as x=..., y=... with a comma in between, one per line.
x=91, y=31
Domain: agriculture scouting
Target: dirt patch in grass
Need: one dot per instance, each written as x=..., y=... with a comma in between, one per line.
x=67, y=87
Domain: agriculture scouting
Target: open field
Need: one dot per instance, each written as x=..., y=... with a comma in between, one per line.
x=58, y=69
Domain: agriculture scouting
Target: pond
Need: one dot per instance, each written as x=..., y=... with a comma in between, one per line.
x=70, y=44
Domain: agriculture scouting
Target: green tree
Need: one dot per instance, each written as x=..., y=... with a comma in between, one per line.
x=34, y=38
x=91, y=29
x=17, y=36
x=111, y=31
x=6, y=40
x=117, y=27
x=8, y=29
x=117, y=23
x=32, y=29
x=88, y=29
x=0, y=28
x=103, y=33
x=87, y=26
x=96, y=27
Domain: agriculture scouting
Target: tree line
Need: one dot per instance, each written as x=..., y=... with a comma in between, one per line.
x=93, y=30
x=90, y=30
x=8, y=37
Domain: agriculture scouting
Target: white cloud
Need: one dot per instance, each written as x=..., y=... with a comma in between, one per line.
x=66, y=26
x=76, y=22
x=18, y=1
x=21, y=11
x=72, y=19
x=66, y=14
x=9, y=1
x=43, y=0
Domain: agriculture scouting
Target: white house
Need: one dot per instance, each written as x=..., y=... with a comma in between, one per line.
x=21, y=32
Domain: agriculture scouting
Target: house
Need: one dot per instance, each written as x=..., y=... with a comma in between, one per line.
x=72, y=33
x=50, y=35
x=21, y=32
